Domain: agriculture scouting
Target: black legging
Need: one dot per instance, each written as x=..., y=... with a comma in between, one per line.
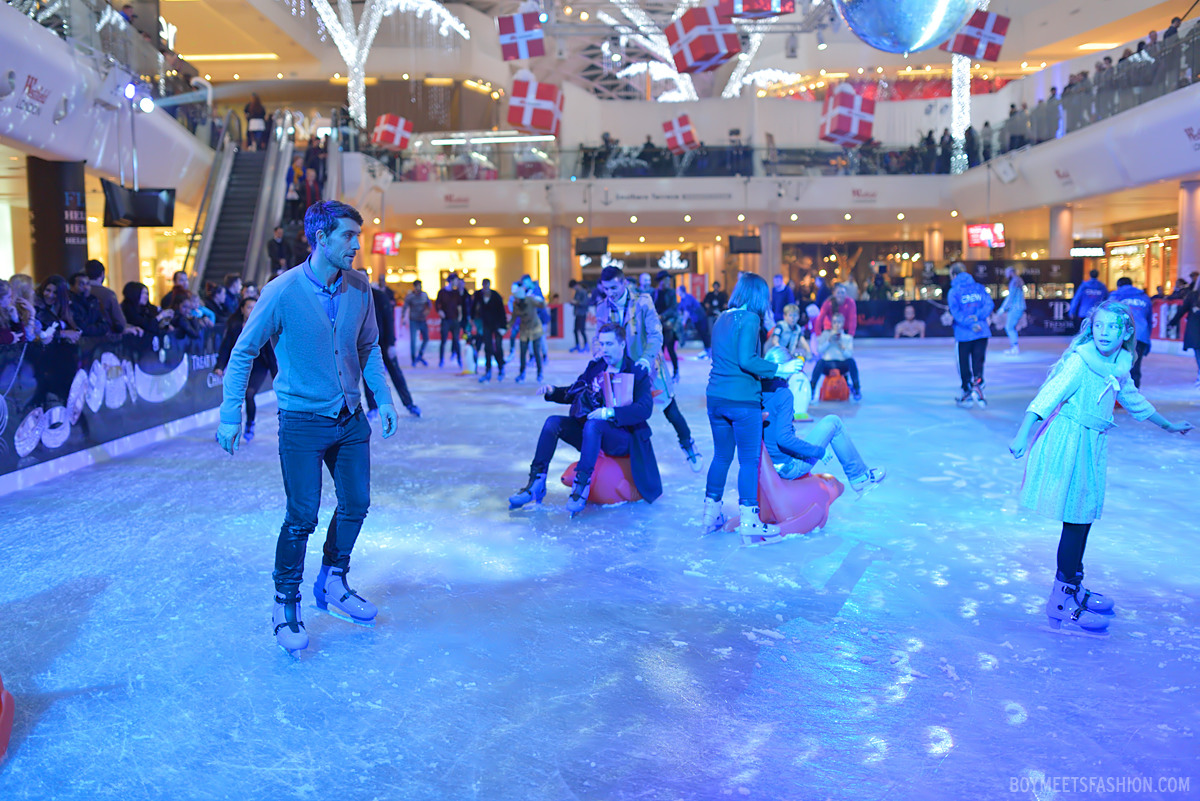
x=581, y=330
x=258, y=374
x=672, y=413
x=669, y=340
x=449, y=330
x=1070, y=551
x=537, y=355
x=493, y=348
x=393, y=368
x=970, y=361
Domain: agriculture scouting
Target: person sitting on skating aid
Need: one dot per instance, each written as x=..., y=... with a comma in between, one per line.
x=1065, y=472
x=835, y=349
x=592, y=426
x=794, y=457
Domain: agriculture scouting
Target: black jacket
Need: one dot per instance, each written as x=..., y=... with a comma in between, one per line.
x=583, y=398
x=490, y=313
x=385, y=318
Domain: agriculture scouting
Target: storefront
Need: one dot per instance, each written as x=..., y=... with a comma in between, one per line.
x=1150, y=262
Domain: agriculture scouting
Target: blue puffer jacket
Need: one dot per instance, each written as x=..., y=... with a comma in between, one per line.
x=971, y=306
x=1139, y=305
x=1090, y=292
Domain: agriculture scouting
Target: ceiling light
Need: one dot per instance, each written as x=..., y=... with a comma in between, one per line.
x=207, y=77
x=718, y=237
x=579, y=221
x=490, y=140
x=899, y=215
x=471, y=221
x=404, y=76
x=525, y=220
x=905, y=256
x=687, y=218
x=279, y=75
x=420, y=221
x=1099, y=45
x=741, y=218
x=233, y=57
x=822, y=70
x=976, y=66
x=458, y=241
x=847, y=216
x=567, y=10
x=377, y=221
x=1043, y=64
x=821, y=39
x=681, y=239
x=633, y=218
x=237, y=77
x=879, y=69
x=795, y=217
x=583, y=16
x=860, y=70
x=1024, y=65
x=954, y=213
x=525, y=241
x=487, y=241
x=641, y=239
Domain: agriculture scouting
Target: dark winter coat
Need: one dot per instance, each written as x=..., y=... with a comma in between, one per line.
x=582, y=397
x=490, y=312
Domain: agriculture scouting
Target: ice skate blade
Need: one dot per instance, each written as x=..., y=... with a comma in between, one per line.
x=1056, y=626
x=758, y=540
x=340, y=615
x=294, y=654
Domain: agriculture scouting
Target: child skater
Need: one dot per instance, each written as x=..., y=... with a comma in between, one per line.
x=794, y=457
x=1064, y=476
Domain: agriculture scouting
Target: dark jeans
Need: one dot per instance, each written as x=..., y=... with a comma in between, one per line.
x=848, y=367
x=1135, y=372
x=307, y=440
x=675, y=417
x=393, y=369
x=734, y=427
x=493, y=348
x=581, y=329
x=258, y=374
x=1070, y=550
x=970, y=361
x=449, y=329
x=669, y=341
x=705, y=334
x=415, y=327
x=537, y=355
x=590, y=437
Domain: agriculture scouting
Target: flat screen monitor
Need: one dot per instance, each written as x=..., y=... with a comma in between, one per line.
x=745, y=244
x=141, y=208
x=985, y=235
x=591, y=246
x=386, y=244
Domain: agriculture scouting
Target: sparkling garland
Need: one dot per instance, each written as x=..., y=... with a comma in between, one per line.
x=960, y=105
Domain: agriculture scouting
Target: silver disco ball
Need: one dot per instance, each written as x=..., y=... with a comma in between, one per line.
x=904, y=26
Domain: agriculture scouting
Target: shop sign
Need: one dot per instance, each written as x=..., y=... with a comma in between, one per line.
x=862, y=197
x=1087, y=253
x=166, y=32
x=454, y=201
x=33, y=96
x=1193, y=135
x=1125, y=250
x=1064, y=178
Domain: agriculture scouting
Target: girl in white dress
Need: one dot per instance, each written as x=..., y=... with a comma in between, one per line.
x=1065, y=473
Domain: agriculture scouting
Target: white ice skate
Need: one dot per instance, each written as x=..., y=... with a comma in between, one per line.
x=868, y=481
x=714, y=517
x=290, y=633
x=1063, y=606
x=754, y=531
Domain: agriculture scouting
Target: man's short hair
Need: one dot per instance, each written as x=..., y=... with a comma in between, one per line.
x=612, y=328
x=417, y=282
x=610, y=272
x=324, y=216
x=230, y=279
x=94, y=269
x=178, y=273
x=486, y=282
x=1094, y=274
x=957, y=267
x=1124, y=280
x=77, y=275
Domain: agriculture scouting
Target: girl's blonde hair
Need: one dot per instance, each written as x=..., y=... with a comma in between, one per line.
x=1085, y=331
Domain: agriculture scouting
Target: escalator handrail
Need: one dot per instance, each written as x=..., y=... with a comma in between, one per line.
x=231, y=137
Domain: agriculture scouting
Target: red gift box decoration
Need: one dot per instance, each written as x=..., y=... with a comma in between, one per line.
x=680, y=136
x=847, y=117
x=521, y=36
x=702, y=40
x=535, y=106
x=392, y=132
x=755, y=9
x=981, y=37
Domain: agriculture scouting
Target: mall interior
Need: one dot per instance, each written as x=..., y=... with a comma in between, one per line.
x=894, y=644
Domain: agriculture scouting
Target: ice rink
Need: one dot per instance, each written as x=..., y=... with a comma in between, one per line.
x=519, y=656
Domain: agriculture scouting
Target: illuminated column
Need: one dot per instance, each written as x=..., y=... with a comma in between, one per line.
x=771, y=261
x=1062, y=231
x=57, y=217
x=560, y=261
x=934, y=246
x=1189, y=228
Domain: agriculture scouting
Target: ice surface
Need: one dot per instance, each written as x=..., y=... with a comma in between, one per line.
x=901, y=654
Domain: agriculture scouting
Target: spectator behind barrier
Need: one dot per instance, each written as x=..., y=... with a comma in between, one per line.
x=54, y=311
x=110, y=307
x=85, y=309
x=141, y=312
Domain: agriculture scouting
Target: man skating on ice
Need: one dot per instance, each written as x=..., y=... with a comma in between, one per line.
x=321, y=319
x=971, y=306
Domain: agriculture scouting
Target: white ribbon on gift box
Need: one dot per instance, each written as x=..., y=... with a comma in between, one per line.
x=522, y=36
x=714, y=27
x=986, y=35
x=530, y=103
x=679, y=128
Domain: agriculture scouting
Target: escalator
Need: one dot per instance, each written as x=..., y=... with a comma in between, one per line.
x=232, y=232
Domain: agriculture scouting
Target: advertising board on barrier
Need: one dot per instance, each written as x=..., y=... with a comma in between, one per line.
x=62, y=398
x=1042, y=318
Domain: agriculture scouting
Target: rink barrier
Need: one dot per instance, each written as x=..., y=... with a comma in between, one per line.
x=66, y=405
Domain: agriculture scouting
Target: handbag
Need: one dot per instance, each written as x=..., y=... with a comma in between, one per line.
x=617, y=389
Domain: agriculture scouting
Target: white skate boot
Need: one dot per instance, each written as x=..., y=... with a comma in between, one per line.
x=290, y=633
x=1063, y=606
x=754, y=531
x=1093, y=601
x=868, y=481
x=714, y=517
